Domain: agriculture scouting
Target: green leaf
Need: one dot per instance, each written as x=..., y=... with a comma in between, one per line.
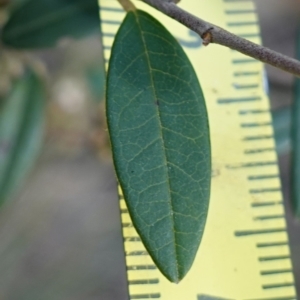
x=41, y=23
x=21, y=133
x=159, y=133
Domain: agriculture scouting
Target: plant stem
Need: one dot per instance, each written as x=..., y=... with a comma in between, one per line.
x=211, y=33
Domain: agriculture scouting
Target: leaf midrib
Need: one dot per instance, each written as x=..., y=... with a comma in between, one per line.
x=162, y=137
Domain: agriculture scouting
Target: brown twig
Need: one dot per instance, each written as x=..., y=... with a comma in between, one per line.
x=127, y=5
x=211, y=33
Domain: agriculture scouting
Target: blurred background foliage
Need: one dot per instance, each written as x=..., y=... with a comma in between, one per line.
x=60, y=231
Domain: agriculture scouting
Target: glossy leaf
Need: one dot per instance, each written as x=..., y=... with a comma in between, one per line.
x=42, y=23
x=21, y=133
x=296, y=142
x=160, y=140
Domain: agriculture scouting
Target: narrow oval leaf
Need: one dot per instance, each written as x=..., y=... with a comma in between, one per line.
x=159, y=133
x=41, y=23
x=21, y=132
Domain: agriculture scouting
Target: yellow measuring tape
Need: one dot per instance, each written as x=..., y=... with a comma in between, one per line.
x=244, y=254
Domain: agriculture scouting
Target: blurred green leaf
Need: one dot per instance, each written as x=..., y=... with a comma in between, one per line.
x=42, y=23
x=159, y=133
x=21, y=132
x=282, y=129
x=296, y=141
x=96, y=80
x=10, y=123
x=15, y=3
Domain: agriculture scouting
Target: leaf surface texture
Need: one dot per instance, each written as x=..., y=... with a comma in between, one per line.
x=159, y=132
